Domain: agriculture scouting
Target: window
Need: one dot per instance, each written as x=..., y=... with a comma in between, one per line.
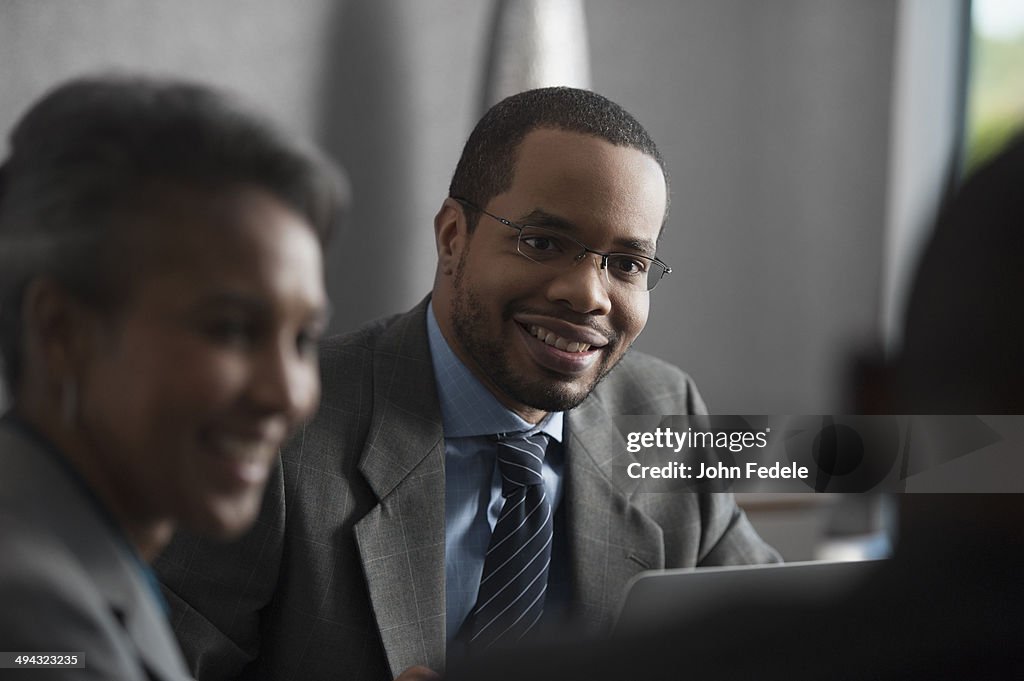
x=995, y=107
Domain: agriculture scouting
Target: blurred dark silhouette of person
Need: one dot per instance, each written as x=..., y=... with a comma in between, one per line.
x=161, y=300
x=962, y=341
x=948, y=605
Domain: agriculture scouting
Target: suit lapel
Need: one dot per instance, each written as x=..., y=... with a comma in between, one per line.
x=610, y=538
x=139, y=613
x=401, y=540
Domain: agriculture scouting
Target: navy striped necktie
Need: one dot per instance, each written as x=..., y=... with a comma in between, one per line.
x=515, y=575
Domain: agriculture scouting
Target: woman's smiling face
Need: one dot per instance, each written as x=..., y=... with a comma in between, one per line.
x=198, y=378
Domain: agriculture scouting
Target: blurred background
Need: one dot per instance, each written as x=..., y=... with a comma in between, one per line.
x=810, y=143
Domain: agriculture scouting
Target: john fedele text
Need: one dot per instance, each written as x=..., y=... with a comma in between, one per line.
x=667, y=439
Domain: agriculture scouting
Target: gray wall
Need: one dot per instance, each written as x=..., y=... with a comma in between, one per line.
x=773, y=117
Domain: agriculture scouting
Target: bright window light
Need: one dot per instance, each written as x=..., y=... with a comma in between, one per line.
x=995, y=109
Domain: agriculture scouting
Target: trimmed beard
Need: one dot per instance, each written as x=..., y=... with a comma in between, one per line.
x=490, y=357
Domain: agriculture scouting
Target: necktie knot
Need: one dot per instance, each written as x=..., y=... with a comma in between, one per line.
x=520, y=461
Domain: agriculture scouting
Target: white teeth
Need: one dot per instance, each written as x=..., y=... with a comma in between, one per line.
x=550, y=338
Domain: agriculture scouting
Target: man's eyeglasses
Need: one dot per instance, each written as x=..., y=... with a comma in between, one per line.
x=553, y=249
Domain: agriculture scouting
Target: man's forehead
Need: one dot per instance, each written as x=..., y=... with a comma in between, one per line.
x=582, y=178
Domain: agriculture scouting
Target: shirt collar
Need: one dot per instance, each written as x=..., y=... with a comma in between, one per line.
x=468, y=409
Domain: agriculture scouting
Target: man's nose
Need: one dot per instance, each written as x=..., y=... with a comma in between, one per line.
x=583, y=286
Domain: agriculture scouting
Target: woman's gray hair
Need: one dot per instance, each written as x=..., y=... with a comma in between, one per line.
x=87, y=155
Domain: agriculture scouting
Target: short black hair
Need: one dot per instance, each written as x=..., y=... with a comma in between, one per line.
x=487, y=164
x=83, y=156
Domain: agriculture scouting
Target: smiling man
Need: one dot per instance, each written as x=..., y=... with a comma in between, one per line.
x=456, y=490
x=541, y=338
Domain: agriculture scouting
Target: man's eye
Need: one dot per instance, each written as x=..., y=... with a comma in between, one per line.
x=539, y=243
x=626, y=265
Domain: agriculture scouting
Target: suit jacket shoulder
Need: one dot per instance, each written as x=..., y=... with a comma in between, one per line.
x=66, y=580
x=642, y=384
x=616, y=529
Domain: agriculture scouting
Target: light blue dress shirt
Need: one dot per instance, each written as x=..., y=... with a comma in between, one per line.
x=471, y=417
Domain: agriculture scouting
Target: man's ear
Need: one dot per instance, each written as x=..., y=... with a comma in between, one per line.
x=451, y=235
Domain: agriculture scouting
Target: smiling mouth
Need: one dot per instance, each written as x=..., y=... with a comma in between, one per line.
x=246, y=460
x=549, y=337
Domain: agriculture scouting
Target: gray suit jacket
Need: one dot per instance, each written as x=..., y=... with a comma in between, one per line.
x=344, y=575
x=67, y=580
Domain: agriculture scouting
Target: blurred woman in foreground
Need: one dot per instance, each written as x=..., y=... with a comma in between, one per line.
x=161, y=297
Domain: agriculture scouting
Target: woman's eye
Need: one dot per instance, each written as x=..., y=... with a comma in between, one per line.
x=308, y=343
x=237, y=332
